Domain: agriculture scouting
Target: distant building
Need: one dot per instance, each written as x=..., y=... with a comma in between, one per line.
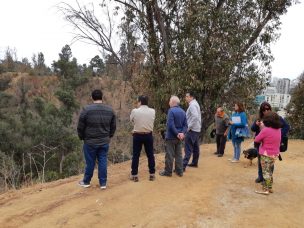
x=277, y=95
x=278, y=100
x=283, y=86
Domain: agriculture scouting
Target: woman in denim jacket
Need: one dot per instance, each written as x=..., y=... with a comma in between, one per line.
x=238, y=120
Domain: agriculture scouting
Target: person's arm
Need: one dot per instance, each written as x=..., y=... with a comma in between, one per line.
x=259, y=138
x=81, y=124
x=113, y=126
x=185, y=125
x=255, y=127
x=285, y=126
x=171, y=125
x=132, y=115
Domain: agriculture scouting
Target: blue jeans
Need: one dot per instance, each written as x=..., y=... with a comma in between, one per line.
x=91, y=154
x=237, y=150
x=191, y=147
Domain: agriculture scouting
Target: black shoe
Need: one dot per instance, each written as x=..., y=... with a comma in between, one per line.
x=216, y=153
x=179, y=174
x=152, y=177
x=258, y=180
x=220, y=155
x=165, y=174
x=193, y=165
x=134, y=178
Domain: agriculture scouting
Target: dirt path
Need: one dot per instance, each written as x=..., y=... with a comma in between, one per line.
x=217, y=194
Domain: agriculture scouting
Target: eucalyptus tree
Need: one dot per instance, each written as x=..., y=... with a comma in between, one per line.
x=219, y=49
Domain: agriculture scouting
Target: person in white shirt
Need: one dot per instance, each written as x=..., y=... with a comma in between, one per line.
x=193, y=115
x=143, y=120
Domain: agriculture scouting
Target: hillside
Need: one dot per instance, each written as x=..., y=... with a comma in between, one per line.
x=217, y=194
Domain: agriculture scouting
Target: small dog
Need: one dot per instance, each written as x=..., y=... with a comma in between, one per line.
x=250, y=154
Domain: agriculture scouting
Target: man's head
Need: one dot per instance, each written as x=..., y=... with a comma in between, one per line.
x=174, y=101
x=219, y=111
x=189, y=96
x=142, y=100
x=97, y=95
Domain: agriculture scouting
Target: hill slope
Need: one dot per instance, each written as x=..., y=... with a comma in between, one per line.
x=217, y=194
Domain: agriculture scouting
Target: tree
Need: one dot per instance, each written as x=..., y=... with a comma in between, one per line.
x=218, y=49
x=295, y=109
x=97, y=65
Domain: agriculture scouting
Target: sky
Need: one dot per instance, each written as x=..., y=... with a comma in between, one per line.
x=34, y=26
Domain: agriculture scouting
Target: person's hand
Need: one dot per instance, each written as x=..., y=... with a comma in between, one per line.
x=225, y=134
x=230, y=122
x=181, y=136
x=261, y=125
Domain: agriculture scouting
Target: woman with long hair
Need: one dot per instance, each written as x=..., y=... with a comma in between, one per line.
x=238, y=120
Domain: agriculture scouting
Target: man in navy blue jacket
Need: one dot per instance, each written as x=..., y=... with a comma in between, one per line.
x=175, y=133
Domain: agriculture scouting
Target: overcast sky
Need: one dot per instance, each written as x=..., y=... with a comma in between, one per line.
x=32, y=26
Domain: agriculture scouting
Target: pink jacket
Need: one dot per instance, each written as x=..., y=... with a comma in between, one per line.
x=270, y=140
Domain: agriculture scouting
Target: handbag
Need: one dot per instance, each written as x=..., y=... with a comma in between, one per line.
x=242, y=132
x=284, y=144
x=212, y=133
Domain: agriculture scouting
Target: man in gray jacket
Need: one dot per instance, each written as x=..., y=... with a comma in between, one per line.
x=96, y=125
x=193, y=115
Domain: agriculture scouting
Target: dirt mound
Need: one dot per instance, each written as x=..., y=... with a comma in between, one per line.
x=217, y=194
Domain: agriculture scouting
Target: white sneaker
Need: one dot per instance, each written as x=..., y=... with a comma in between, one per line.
x=230, y=159
x=103, y=187
x=235, y=161
x=84, y=185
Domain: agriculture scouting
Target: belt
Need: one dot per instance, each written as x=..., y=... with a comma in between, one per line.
x=142, y=133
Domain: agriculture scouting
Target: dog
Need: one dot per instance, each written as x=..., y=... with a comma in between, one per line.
x=250, y=154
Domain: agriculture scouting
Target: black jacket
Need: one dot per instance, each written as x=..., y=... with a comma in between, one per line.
x=97, y=124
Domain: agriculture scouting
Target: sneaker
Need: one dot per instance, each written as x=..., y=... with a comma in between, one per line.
x=234, y=161
x=84, y=185
x=216, y=153
x=263, y=192
x=193, y=165
x=134, y=178
x=152, y=177
x=164, y=174
x=103, y=187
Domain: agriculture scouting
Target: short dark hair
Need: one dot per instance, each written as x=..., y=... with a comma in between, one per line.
x=191, y=94
x=272, y=119
x=97, y=95
x=264, y=106
x=241, y=106
x=143, y=100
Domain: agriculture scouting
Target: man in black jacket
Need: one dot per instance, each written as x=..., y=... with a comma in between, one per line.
x=96, y=125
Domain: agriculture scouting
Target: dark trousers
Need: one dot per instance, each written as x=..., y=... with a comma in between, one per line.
x=174, y=151
x=91, y=154
x=147, y=141
x=191, y=147
x=220, y=143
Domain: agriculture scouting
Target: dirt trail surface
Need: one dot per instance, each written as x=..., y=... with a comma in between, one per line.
x=217, y=194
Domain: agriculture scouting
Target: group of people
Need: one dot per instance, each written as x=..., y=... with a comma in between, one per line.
x=269, y=129
x=97, y=124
